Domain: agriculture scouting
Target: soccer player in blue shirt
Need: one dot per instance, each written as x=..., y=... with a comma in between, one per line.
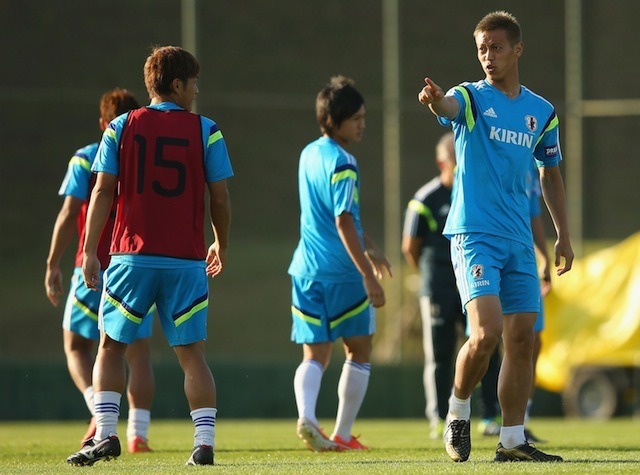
x=80, y=321
x=162, y=159
x=498, y=125
x=335, y=269
x=490, y=378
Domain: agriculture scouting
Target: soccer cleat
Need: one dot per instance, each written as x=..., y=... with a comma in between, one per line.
x=489, y=427
x=532, y=439
x=138, y=445
x=524, y=453
x=457, y=440
x=313, y=437
x=92, y=452
x=91, y=431
x=352, y=444
x=201, y=455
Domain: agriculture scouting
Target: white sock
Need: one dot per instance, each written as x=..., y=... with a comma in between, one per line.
x=204, y=420
x=88, y=399
x=527, y=412
x=459, y=408
x=352, y=388
x=107, y=407
x=138, y=423
x=306, y=386
x=512, y=436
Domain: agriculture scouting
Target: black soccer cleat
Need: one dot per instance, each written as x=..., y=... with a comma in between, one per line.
x=93, y=452
x=457, y=440
x=201, y=455
x=524, y=453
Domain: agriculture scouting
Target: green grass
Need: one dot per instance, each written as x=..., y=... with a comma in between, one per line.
x=271, y=447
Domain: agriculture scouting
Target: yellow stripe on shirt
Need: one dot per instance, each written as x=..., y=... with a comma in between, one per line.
x=81, y=161
x=213, y=138
x=343, y=175
x=468, y=111
x=423, y=210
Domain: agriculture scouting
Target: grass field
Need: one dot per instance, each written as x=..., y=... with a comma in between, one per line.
x=271, y=447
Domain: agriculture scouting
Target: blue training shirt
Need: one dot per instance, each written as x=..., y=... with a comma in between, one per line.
x=216, y=162
x=495, y=140
x=76, y=180
x=329, y=184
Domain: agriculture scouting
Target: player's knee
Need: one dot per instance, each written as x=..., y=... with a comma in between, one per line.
x=359, y=352
x=77, y=344
x=519, y=337
x=484, y=342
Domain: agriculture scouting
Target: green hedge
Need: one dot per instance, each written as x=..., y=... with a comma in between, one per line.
x=44, y=391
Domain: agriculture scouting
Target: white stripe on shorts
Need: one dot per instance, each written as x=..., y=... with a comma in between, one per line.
x=461, y=268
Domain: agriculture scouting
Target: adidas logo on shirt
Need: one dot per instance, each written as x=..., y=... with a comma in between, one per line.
x=490, y=113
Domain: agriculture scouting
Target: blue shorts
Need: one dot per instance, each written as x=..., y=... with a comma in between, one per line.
x=81, y=310
x=181, y=296
x=324, y=311
x=491, y=265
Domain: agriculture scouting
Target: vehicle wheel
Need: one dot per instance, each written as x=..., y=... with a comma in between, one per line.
x=591, y=394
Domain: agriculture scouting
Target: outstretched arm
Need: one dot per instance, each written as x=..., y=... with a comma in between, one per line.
x=553, y=192
x=433, y=96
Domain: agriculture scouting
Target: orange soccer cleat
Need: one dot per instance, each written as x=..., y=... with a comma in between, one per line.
x=138, y=445
x=352, y=444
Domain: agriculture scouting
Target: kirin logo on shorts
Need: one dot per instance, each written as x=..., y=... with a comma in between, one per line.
x=477, y=271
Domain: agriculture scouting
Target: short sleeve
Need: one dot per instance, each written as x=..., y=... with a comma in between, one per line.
x=344, y=189
x=547, y=151
x=418, y=220
x=466, y=107
x=217, y=161
x=107, y=157
x=76, y=180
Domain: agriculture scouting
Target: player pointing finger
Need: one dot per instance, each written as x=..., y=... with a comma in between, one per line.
x=430, y=93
